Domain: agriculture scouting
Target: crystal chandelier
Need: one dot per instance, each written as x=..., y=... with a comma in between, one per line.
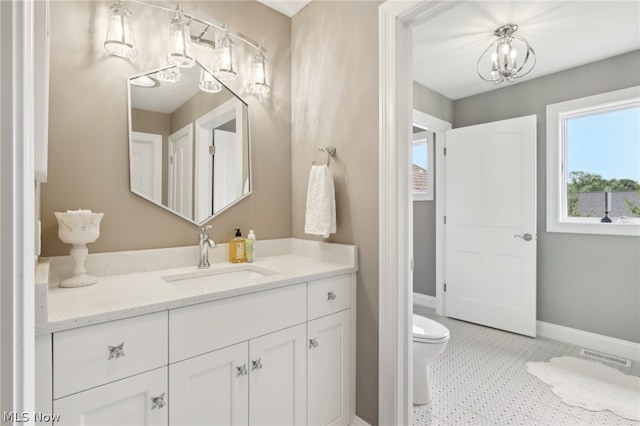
x=507, y=58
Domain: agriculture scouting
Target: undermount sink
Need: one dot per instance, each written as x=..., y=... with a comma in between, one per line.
x=232, y=273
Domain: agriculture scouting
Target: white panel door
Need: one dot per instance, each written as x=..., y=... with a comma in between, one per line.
x=131, y=402
x=211, y=389
x=181, y=171
x=146, y=165
x=277, y=377
x=490, y=231
x=329, y=370
x=227, y=173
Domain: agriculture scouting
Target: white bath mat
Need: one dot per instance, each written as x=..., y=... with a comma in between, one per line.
x=590, y=385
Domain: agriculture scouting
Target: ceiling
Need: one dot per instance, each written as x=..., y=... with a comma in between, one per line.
x=286, y=7
x=564, y=34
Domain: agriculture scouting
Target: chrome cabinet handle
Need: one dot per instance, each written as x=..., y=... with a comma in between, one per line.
x=242, y=370
x=526, y=237
x=313, y=343
x=116, y=351
x=331, y=295
x=256, y=365
x=158, y=401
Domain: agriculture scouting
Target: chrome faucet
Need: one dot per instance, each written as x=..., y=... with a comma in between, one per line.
x=205, y=243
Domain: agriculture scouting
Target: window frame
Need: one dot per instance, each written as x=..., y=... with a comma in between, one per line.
x=428, y=194
x=557, y=114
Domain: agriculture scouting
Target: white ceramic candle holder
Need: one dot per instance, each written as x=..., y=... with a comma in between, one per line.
x=78, y=227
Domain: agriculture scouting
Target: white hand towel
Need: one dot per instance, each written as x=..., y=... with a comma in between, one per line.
x=320, y=218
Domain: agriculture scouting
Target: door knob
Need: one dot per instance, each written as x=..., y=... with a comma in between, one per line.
x=526, y=237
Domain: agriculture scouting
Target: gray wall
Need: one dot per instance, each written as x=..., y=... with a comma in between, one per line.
x=334, y=48
x=424, y=212
x=587, y=282
x=88, y=138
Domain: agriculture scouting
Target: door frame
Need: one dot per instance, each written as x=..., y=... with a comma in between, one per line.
x=439, y=127
x=395, y=19
x=155, y=141
x=187, y=130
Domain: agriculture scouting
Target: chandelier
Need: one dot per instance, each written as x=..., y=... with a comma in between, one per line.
x=507, y=58
x=120, y=42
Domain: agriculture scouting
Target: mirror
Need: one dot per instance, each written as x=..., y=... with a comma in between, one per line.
x=189, y=149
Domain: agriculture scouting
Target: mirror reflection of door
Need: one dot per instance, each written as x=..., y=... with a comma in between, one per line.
x=146, y=165
x=164, y=109
x=181, y=170
x=219, y=176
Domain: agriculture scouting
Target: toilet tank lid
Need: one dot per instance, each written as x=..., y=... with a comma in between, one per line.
x=426, y=328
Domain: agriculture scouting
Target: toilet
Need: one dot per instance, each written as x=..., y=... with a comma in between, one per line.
x=429, y=339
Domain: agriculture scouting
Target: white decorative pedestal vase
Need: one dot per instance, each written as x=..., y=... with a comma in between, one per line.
x=78, y=227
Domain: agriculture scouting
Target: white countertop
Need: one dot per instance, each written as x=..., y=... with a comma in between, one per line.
x=131, y=283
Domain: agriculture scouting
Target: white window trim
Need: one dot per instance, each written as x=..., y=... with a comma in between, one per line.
x=428, y=194
x=556, y=115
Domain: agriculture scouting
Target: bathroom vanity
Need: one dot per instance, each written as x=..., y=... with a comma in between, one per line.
x=272, y=342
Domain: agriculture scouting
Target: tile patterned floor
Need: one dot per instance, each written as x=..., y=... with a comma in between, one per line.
x=481, y=379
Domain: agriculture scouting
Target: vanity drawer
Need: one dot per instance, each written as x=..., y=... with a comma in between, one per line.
x=328, y=295
x=197, y=329
x=82, y=357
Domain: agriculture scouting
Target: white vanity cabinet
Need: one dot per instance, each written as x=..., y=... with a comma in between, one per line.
x=215, y=388
x=211, y=389
x=137, y=400
x=112, y=373
x=329, y=370
x=277, y=378
x=280, y=356
x=268, y=368
x=329, y=351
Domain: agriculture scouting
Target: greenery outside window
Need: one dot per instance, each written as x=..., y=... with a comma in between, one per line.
x=593, y=164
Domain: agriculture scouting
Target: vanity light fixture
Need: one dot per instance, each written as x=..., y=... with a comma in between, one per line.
x=169, y=75
x=119, y=40
x=226, y=68
x=180, y=52
x=507, y=58
x=145, y=81
x=259, y=81
x=208, y=83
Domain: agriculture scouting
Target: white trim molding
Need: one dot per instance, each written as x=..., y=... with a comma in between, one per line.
x=556, y=116
x=424, y=300
x=598, y=342
x=17, y=207
x=395, y=242
x=439, y=127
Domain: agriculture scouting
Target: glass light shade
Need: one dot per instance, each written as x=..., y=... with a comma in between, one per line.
x=169, y=75
x=226, y=67
x=119, y=40
x=259, y=79
x=180, y=52
x=208, y=83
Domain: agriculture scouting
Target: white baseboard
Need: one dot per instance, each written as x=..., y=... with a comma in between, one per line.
x=424, y=300
x=598, y=342
x=357, y=421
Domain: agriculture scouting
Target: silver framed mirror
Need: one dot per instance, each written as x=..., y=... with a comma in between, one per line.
x=189, y=144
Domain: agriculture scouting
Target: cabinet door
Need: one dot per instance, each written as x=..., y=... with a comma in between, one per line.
x=137, y=401
x=211, y=389
x=329, y=370
x=277, y=389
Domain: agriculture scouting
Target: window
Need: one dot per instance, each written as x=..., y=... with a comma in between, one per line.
x=593, y=164
x=422, y=164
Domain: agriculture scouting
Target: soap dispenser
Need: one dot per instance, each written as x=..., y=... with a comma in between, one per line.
x=236, y=248
x=250, y=247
